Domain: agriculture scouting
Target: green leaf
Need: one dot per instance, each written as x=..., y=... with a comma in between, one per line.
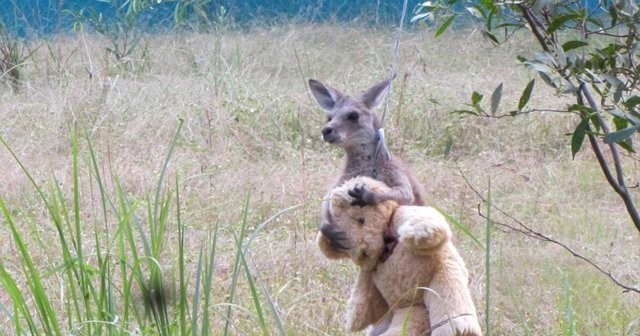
x=443, y=27
x=595, y=121
x=489, y=4
x=496, y=96
x=578, y=136
x=627, y=145
x=427, y=16
x=596, y=22
x=569, y=45
x=490, y=36
x=621, y=135
x=581, y=108
x=632, y=102
x=526, y=94
x=476, y=11
x=476, y=97
x=559, y=22
x=548, y=80
x=621, y=122
x=613, y=13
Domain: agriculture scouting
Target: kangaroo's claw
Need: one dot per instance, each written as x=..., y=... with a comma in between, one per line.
x=362, y=196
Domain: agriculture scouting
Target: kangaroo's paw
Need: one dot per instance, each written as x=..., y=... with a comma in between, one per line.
x=362, y=196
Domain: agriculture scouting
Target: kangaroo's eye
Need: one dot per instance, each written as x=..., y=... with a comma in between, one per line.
x=353, y=116
x=329, y=118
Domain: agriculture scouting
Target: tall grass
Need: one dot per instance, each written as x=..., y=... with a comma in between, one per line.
x=115, y=280
x=134, y=228
x=487, y=264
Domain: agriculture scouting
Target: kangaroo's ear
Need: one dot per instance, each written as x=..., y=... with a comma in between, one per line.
x=325, y=95
x=376, y=94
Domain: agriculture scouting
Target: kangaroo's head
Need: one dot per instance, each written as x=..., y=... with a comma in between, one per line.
x=351, y=121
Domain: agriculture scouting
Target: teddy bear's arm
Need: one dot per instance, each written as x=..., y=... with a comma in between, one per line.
x=423, y=229
x=366, y=306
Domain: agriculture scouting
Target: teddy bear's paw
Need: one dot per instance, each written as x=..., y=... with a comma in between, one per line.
x=459, y=326
x=421, y=237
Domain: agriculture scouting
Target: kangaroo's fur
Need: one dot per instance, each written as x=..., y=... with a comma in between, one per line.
x=352, y=125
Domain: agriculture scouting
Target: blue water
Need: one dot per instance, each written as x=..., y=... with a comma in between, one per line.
x=42, y=17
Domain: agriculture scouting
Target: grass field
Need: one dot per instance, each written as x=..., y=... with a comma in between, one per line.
x=248, y=148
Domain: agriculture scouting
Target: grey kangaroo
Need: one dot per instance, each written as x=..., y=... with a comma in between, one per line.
x=352, y=125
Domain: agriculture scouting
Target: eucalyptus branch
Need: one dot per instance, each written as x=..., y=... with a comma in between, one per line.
x=602, y=161
x=524, y=112
x=524, y=229
x=614, y=150
x=618, y=184
x=534, y=25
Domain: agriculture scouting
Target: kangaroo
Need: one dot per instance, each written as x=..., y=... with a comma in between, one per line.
x=353, y=126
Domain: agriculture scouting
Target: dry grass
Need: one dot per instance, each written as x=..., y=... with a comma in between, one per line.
x=251, y=128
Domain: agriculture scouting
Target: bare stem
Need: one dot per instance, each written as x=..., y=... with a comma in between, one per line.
x=529, y=232
x=617, y=182
x=535, y=26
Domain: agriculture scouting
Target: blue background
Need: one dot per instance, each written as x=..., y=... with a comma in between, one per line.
x=42, y=17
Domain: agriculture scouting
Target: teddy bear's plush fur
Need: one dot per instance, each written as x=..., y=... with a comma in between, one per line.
x=411, y=276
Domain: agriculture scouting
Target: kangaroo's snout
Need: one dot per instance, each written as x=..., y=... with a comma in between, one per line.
x=328, y=135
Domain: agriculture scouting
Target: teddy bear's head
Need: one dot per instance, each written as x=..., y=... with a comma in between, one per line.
x=356, y=232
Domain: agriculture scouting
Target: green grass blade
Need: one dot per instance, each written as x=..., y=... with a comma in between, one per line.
x=165, y=165
x=258, y=229
x=20, y=306
x=182, y=302
x=46, y=313
x=195, y=305
x=104, y=197
x=252, y=289
x=125, y=238
x=26, y=172
x=106, y=299
x=272, y=306
x=59, y=214
x=569, y=327
x=487, y=254
x=83, y=277
x=236, y=267
x=209, y=283
x=521, y=319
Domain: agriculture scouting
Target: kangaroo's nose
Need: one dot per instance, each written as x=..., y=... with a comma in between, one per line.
x=326, y=131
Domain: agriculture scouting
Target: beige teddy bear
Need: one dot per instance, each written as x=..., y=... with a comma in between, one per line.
x=412, y=279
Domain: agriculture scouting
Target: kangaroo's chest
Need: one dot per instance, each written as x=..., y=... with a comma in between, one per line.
x=384, y=174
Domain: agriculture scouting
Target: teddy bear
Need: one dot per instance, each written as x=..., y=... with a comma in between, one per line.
x=411, y=280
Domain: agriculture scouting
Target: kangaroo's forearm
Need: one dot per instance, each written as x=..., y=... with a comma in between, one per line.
x=402, y=195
